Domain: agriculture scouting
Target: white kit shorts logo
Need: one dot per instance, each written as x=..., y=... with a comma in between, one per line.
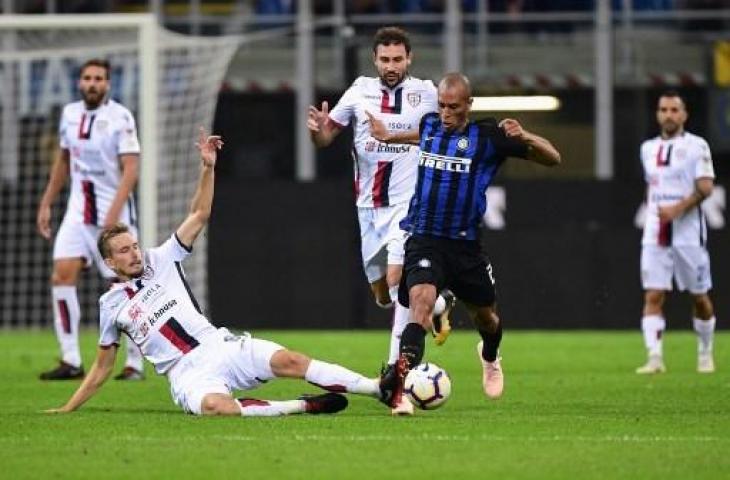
x=424, y=263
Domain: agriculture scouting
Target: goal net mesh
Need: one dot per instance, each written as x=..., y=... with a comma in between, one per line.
x=39, y=69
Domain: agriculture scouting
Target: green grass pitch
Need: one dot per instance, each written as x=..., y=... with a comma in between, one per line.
x=573, y=408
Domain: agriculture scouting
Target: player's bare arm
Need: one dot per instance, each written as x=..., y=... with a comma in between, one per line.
x=56, y=181
x=322, y=130
x=380, y=133
x=99, y=373
x=540, y=149
x=130, y=174
x=202, y=202
x=703, y=189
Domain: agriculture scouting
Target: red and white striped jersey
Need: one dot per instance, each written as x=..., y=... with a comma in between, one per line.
x=385, y=174
x=671, y=167
x=158, y=311
x=95, y=139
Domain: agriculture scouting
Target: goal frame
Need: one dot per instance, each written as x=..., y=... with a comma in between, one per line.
x=147, y=37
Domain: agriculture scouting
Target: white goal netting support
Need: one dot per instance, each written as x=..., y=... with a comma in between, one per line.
x=169, y=81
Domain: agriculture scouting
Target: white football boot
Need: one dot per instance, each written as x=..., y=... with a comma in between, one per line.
x=654, y=364
x=492, y=376
x=705, y=363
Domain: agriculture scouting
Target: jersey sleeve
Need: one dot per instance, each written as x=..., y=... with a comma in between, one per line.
x=424, y=119
x=432, y=101
x=108, y=331
x=127, y=141
x=703, y=162
x=345, y=108
x=642, y=157
x=173, y=250
x=62, y=130
x=505, y=147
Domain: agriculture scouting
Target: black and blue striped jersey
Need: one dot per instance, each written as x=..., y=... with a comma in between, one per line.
x=454, y=170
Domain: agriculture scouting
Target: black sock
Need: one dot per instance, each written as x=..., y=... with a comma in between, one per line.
x=491, y=343
x=412, y=344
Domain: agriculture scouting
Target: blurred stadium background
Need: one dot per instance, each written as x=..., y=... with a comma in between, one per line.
x=282, y=249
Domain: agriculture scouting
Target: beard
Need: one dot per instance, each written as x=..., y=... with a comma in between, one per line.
x=92, y=98
x=393, y=79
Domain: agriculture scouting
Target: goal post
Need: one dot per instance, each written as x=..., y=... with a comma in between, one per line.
x=169, y=81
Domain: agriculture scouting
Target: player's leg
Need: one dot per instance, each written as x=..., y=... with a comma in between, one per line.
x=692, y=270
x=473, y=281
x=657, y=269
x=224, y=404
x=66, y=318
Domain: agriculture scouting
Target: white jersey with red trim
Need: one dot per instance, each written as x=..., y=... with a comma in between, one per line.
x=95, y=139
x=157, y=310
x=671, y=167
x=385, y=174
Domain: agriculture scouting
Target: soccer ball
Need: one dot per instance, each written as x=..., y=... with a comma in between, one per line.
x=427, y=386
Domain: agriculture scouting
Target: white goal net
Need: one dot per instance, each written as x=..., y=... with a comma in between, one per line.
x=170, y=82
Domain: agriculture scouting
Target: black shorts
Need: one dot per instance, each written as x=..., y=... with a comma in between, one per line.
x=458, y=265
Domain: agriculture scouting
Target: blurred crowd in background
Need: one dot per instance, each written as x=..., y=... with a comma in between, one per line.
x=272, y=7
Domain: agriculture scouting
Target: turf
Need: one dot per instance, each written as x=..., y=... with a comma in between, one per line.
x=573, y=408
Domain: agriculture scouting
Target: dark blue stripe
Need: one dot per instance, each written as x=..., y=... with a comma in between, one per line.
x=187, y=287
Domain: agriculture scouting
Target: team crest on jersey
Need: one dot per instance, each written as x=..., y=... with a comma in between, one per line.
x=370, y=146
x=462, y=143
x=135, y=312
x=148, y=273
x=414, y=99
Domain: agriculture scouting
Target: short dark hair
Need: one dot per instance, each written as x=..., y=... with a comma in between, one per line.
x=671, y=93
x=107, y=234
x=97, y=62
x=391, y=36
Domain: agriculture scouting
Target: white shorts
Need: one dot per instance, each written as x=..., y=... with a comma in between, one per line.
x=381, y=238
x=78, y=240
x=237, y=363
x=689, y=265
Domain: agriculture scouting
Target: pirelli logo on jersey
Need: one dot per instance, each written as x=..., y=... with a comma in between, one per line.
x=443, y=162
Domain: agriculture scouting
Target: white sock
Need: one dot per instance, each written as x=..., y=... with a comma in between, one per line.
x=335, y=378
x=251, y=407
x=653, y=327
x=439, y=306
x=135, y=359
x=705, y=332
x=66, y=316
x=400, y=319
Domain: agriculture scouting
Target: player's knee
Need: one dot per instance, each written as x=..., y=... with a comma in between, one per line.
x=214, y=405
x=654, y=299
x=486, y=319
x=286, y=363
x=62, y=277
x=422, y=299
x=703, y=306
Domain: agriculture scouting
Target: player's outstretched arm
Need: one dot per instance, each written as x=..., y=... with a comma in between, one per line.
x=321, y=129
x=540, y=149
x=99, y=373
x=202, y=202
x=380, y=133
x=56, y=181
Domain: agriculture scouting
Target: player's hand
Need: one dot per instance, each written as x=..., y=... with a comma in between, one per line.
x=316, y=119
x=667, y=213
x=43, y=221
x=208, y=145
x=512, y=129
x=377, y=128
x=57, y=410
